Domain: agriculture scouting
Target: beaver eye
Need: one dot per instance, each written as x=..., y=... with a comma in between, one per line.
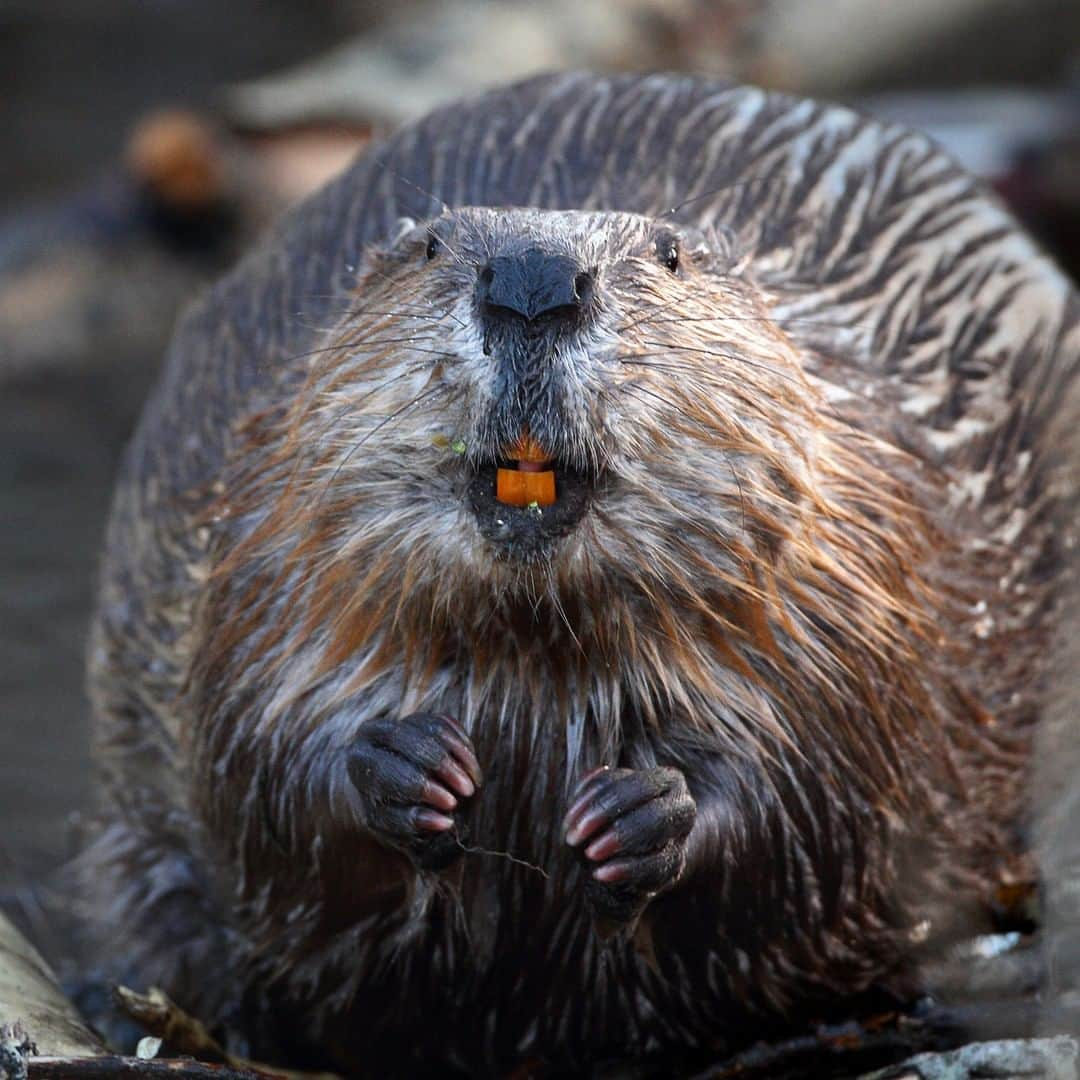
x=667, y=251
x=433, y=246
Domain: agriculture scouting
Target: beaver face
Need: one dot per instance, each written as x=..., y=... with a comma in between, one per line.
x=533, y=317
x=629, y=353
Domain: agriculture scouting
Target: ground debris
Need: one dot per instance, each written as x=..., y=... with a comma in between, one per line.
x=931, y=1043
x=15, y=1048
x=184, y=1034
x=1039, y=1059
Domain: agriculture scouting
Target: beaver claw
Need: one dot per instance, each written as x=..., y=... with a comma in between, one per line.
x=631, y=828
x=412, y=774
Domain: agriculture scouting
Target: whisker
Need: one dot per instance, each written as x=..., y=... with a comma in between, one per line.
x=396, y=414
x=461, y=260
x=664, y=402
x=749, y=318
x=351, y=315
x=738, y=484
x=431, y=303
x=366, y=344
x=723, y=451
x=664, y=307
x=315, y=352
x=381, y=163
x=715, y=354
x=735, y=359
x=688, y=374
x=444, y=207
x=679, y=369
x=397, y=313
x=730, y=186
x=353, y=403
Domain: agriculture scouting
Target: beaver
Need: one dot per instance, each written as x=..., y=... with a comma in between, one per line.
x=722, y=733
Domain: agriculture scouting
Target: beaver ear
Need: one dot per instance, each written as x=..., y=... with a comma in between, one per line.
x=400, y=229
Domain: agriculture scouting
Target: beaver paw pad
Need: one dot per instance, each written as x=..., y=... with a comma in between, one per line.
x=412, y=775
x=630, y=827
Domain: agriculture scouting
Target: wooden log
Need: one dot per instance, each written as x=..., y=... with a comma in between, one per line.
x=30, y=996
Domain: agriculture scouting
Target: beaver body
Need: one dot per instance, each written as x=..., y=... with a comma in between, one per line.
x=396, y=775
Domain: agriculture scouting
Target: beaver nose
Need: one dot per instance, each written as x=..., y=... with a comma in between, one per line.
x=532, y=285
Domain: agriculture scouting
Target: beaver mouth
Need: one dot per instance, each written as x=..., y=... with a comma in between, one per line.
x=530, y=531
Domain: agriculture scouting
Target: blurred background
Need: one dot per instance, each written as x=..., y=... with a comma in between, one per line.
x=145, y=143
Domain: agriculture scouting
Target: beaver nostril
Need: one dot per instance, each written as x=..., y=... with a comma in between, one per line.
x=583, y=288
x=487, y=275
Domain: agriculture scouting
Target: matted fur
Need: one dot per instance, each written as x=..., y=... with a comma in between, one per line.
x=818, y=576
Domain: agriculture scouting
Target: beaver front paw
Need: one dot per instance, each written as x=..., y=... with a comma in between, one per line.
x=631, y=827
x=412, y=775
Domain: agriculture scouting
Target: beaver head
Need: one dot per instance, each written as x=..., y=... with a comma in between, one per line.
x=673, y=414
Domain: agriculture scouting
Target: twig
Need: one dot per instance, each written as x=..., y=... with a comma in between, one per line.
x=184, y=1034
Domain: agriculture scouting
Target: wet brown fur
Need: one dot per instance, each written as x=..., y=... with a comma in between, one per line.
x=774, y=593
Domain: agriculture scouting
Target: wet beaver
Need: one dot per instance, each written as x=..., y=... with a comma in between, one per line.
x=402, y=773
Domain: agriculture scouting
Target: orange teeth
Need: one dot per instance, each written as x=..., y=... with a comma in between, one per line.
x=531, y=482
x=517, y=488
